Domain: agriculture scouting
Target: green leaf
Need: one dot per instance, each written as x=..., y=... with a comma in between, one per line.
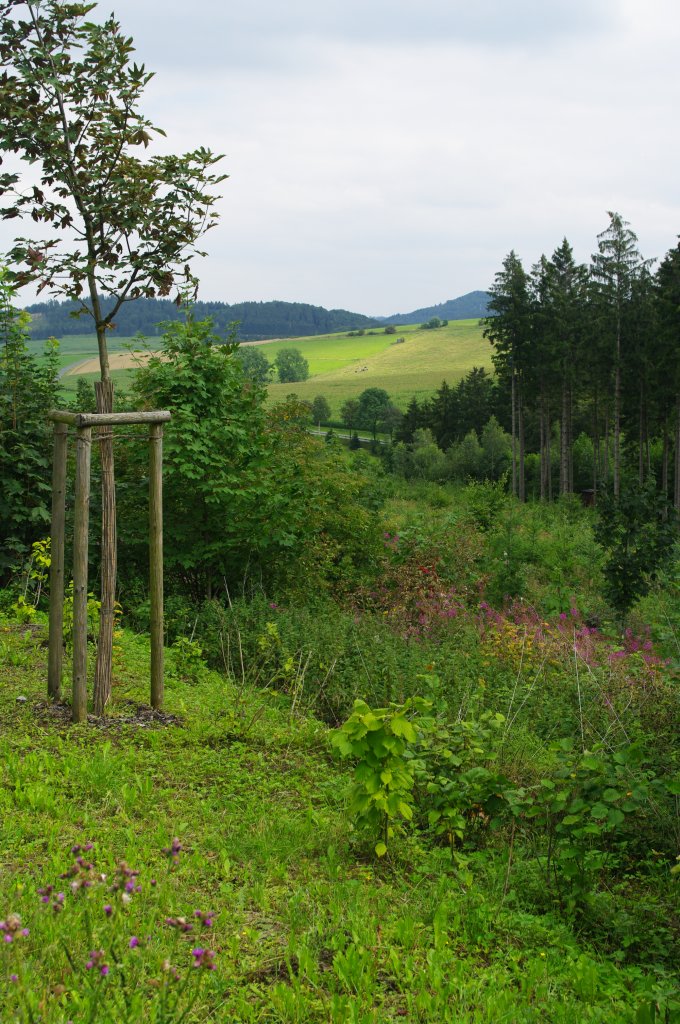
x=380, y=849
x=402, y=727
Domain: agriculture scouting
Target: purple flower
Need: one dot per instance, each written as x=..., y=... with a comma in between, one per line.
x=134, y=942
x=108, y=910
x=104, y=970
x=203, y=958
x=14, y=978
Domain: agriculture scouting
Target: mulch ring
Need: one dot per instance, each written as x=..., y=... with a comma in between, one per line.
x=127, y=713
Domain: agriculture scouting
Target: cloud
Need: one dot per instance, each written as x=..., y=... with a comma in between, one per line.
x=384, y=156
x=269, y=34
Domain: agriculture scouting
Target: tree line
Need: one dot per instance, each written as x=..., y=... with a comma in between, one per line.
x=252, y=321
x=591, y=351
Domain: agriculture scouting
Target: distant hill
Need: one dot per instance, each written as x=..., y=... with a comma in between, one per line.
x=258, y=320
x=466, y=307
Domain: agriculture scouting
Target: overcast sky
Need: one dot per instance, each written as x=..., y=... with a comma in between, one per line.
x=387, y=154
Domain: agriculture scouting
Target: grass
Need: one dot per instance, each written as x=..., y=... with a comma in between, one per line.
x=342, y=367
x=306, y=928
x=415, y=368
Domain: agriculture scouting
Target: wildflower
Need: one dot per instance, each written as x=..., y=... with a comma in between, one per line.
x=134, y=942
x=108, y=909
x=14, y=978
x=11, y=927
x=206, y=919
x=180, y=923
x=173, y=851
x=203, y=958
x=97, y=960
x=169, y=969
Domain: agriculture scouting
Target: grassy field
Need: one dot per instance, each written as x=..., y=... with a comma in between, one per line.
x=340, y=367
x=415, y=368
x=132, y=846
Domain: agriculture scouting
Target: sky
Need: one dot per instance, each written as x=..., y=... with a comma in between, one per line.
x=385, y=155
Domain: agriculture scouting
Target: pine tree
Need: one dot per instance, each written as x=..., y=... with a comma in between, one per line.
x=508, y=328
x=614, y=268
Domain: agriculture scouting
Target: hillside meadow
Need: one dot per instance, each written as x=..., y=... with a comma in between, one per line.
x=341, y=367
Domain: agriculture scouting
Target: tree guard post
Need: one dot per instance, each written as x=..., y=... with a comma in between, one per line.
x=84, y=423
x=80, y=552
x=56, y=649
x=156, y=561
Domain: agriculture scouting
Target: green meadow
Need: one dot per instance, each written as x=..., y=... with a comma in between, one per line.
x=341, y=367
x=415, y=367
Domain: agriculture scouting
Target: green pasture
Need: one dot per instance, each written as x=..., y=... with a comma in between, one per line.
x=74, y=347
x=341, y=367
x=415, y=368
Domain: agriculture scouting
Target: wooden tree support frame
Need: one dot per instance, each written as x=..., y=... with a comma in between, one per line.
x=83, y=423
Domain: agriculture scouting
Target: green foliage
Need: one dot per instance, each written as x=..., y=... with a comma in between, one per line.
x=455, y=772
x=291, y=366
x=378, y=739
x=214, y=452
x=638, y=532
x=69, y=107
x=28, y=389
x=373, y=405
x=187, y=660
x=321, y=410
x=581, y=813
x=255, y=364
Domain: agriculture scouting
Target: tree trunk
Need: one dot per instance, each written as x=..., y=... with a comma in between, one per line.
x=564, y=441
x=548, y=453
x=676, y=499
x=664, y=459
x=520, y=431
x=544, y=489
x=596, y=453
x=617, y=413
x=513, y=413
x=104, y=665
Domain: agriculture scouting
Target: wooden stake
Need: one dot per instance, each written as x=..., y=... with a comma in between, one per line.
x=156, y=561
x=80, y=544
x=54, y=670
x=103, y=672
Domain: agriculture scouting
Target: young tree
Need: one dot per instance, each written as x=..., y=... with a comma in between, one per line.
x=349, y=413
x=291, y=366
x=120, y=227
x=373, y=403
x=321, y=410
x=255, y=364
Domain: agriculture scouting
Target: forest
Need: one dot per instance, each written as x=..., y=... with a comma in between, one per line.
x=587, y=371
x=250, y=321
